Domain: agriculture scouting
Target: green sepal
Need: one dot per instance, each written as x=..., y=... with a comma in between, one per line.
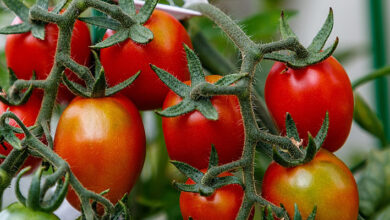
x=146, y=11
x=43, y=4
x=322, y=36
x=103, y=22
x=140, y=34
x=120, y=36
x=207, y=109
x=24, y=96
x=297, y=214
x=172, y=82
x=34, y=193
x=230, y=79
x=367, y=119
x=267, y=213
x=291, y=128
x=313, y=214
x=127, y=6
x=117, y=88
x=16, y=29
x=226, y=180
x=185, y=106
x=311, y=150
x=285, y=29
x=58, y=197
x=46, y=130
x=75, y=88
x=20, y=9
x=121, y=211
x=194, y=66
x=321, y=134
x=213, y=161
x=186, y=187
x=38, y=31
x=18, y=193
x=189, y=171
x=99, y=87
x=278, y=158
x=9, y=136
x=59, y=6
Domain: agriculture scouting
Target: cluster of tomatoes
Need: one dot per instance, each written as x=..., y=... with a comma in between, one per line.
x=98, y=135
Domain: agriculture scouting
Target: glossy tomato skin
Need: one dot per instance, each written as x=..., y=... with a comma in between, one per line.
x=25, y=53
x=28, y=113
x=18, y=211
x=307, y=94
x=189, y=137
x=103, y=140
x=224, y=204
x=166, y=51
x=325, y=181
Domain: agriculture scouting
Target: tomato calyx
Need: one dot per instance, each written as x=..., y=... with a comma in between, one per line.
x=269, y=215
x=36, y=194
x=205, y=184
x=309, y=152
x=301, y=56
x=193, y=96
x=13, y=95
x=97, y=88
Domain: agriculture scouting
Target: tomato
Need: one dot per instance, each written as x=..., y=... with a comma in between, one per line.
x=17, y=211
x=166, y=51
x=25, y=53
x=325, y=181
x=307, y=94
x=223, y=204
x=28, y=113
x=189, y=137
x=103, y=141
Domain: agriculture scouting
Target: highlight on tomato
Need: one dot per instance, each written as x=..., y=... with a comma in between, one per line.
x=325, y=182
x=28, y=113
x=166, y=51
x=307, y=94
x=26, y=54
x=103, y=141
x=189, y=137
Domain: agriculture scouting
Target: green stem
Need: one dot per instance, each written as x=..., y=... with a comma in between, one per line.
x=371, y=76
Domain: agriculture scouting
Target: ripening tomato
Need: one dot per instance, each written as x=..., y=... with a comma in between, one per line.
x=223, y=204
x=28, y=113
x=325, y=182
x=103, y=141
x=307, y=94
x=189, y=137
x=17, y=211
x=166, y=51
x=25, y=53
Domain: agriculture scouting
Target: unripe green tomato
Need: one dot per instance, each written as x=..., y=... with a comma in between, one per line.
x=17, y=211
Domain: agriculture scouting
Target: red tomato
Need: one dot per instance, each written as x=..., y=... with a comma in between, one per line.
x=166, y=51
x=28, y=113
x=325, y=182
x=224, y=204
x=189, y=137
x=25, y=53
x=103, y=140
x=307, y=94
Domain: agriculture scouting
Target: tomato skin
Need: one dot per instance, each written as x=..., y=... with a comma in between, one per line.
x=325, y=181
x=223, y=204
x=17, y=211
x=103, y=141
x=25, y=53
x=188, y=137
x=307, y=94
x=166, y=51
x=28, y=113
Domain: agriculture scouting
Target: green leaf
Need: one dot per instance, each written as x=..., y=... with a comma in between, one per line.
x=18, y=8
x=213, y=161
x=291, y=129
x=322, y=36
x=146, y=11
x=15, y=29
x=172, y=82
x=185, y=106
x=230, y=79
x=38, y=31
x=140, y=34
x=194, y=66
x=188, y=170
x=103, y=22
x=374, y=184
x=321, y=135
x=127, y=6
x=117, y=38
x=367, y=119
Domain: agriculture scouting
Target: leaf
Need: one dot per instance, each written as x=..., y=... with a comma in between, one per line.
x=172, y=82
x=102, y=21
x=367, y=119
x=117, y=38
x=322, y=36
x=374, y=184
x=15, y=29
x=140, y=34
